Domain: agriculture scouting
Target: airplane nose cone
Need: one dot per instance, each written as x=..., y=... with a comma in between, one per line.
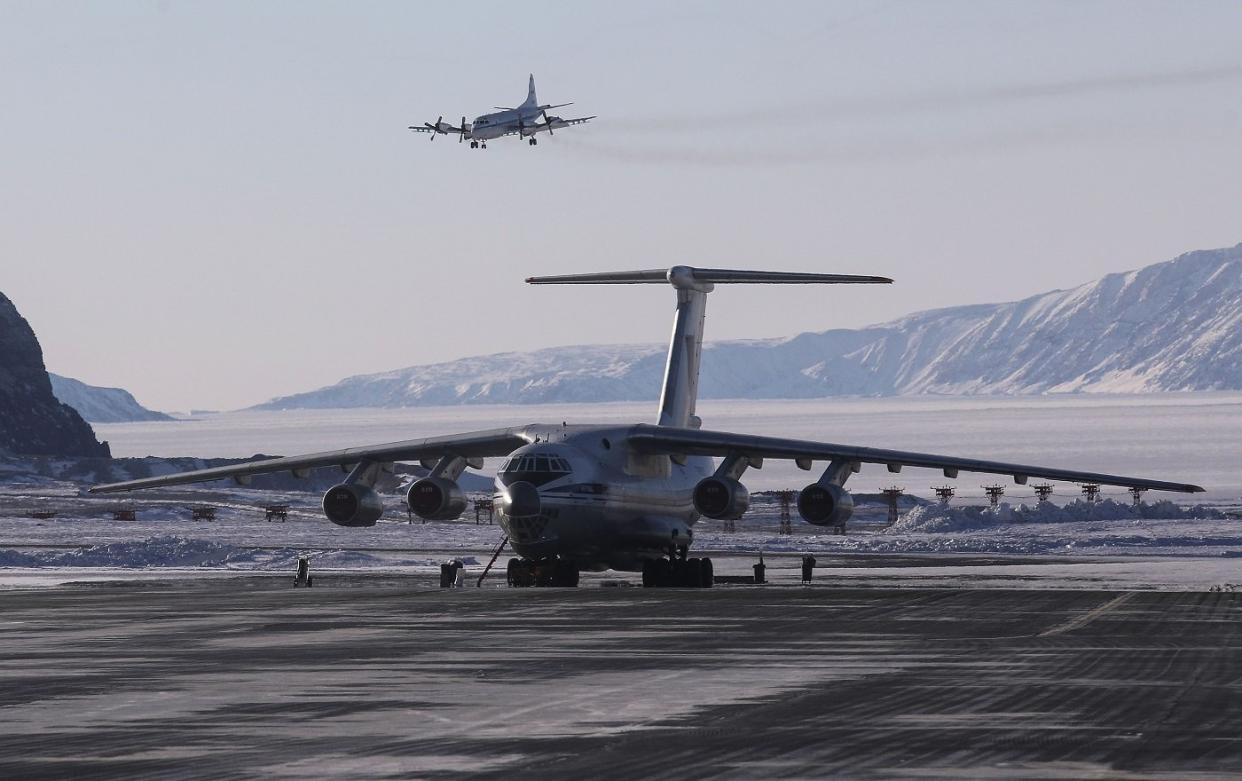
x=520, y=500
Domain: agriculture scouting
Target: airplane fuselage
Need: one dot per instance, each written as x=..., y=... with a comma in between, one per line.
x=489, y=126
x=600, y=504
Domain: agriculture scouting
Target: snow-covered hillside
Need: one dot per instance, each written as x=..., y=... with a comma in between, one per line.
x=1170, y=326
x=101, y=405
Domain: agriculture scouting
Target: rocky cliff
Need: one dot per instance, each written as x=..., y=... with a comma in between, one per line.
x=32, y=420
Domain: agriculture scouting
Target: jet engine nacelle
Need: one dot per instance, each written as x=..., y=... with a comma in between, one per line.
x=825, y=505
x=352, y=504
x=722, y=498
x=436, y=499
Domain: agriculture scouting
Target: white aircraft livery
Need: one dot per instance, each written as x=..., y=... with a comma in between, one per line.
x=521, y=121
x=626, y=497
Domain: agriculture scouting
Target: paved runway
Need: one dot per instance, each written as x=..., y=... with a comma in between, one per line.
x=378, y=678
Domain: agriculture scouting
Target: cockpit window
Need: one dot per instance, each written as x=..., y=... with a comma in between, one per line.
x=534, y=469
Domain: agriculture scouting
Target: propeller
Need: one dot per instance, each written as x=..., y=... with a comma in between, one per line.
x=547, y=122
x=435, y=129
x=461, y=136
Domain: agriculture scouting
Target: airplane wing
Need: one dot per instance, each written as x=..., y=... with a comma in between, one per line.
x=444, y=132
x=680, y=441
x=558, y=123
x=440, y=127
x=478, y=444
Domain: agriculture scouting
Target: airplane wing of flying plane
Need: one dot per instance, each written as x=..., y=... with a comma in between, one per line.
x=573, y=497
x=521, y=120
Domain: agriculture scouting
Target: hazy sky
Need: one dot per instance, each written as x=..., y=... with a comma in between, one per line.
x=214, y=203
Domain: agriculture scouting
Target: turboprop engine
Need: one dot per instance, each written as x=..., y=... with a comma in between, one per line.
x=825, y=505
x=721, y=498
x=352, y=504
x=436, y=499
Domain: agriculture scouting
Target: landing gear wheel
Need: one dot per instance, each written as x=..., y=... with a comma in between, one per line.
x=707, y=574
x=690, y=573
x=658, y=573
x=678, y=573
x=474, y=144
x=565, y=573
x=521, y=573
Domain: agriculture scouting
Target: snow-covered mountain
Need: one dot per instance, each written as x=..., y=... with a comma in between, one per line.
x=101, y=405
x=1170, y=326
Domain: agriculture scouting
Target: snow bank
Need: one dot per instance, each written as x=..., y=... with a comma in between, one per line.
x=938, y=518
x=189, y=552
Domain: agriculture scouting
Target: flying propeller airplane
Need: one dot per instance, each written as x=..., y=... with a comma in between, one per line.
x=522, y=121
x=626, y=497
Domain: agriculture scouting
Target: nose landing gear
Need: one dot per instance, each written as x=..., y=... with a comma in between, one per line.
x=524, y=573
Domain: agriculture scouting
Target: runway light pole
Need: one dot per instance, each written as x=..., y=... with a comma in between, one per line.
x=995, y=492
x=1043, y=491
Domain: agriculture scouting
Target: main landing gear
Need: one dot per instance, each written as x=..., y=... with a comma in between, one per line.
x=476, y=144
x=678, y=571
x=548, y=572
x=533, y=141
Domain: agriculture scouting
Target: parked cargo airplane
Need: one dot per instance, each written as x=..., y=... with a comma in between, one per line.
x=522, y=121
x=573, y=497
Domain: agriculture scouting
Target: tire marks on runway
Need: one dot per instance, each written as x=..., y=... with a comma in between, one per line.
x=1091, y=615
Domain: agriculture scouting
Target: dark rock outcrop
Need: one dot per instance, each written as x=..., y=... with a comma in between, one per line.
x=32, y=420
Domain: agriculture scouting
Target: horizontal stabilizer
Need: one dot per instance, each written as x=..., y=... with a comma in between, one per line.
x=705, y=276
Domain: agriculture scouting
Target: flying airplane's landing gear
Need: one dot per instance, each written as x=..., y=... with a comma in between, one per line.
x=679, y=572
x=534, y=141
x=548, y=572
x=474, y=144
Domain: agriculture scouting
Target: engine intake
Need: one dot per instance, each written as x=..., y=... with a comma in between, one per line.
x=721, y=498
x=352, y=504
x=825, y=505
x=436, y=499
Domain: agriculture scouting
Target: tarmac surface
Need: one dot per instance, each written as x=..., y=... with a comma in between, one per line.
x=383, y=677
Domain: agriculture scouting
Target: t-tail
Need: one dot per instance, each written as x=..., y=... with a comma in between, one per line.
x=681, y=371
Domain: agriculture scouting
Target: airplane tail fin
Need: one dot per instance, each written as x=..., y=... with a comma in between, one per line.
x=681, y=372
x=531, y=100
